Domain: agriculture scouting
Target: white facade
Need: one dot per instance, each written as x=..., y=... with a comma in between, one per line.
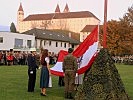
x=84, y=35
x=10, y=40
x=53, y=46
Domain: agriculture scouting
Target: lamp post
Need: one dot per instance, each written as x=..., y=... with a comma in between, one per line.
x=105, y=25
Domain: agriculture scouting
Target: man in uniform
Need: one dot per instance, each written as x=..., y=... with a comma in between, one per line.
x=69, y=68
x=32, y=66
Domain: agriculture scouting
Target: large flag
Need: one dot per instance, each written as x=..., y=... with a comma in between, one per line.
x=85, y=53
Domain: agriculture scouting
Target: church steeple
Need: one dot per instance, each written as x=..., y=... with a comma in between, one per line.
x=66, y=9
x=20, y=16
x=20, y=13
x=57, y=10
x=20, y=7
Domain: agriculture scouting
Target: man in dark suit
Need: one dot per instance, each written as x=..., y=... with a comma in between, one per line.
x=32, y=66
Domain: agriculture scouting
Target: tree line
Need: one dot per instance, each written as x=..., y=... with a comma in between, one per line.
x=120, y=34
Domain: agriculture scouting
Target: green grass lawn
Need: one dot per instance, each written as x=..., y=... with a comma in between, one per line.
x=126, y=73
x=14, y=79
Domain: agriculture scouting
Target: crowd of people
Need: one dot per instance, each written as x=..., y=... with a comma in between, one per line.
x=126, y=59
x=19, y=57
x=42, y=61
x=69, y=68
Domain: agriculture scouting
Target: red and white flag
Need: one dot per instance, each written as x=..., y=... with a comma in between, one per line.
x=86, y=54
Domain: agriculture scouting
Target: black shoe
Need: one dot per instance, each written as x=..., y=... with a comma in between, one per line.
x=66, y=95
x=30, y=91
x=43, y=94
x=70, y=97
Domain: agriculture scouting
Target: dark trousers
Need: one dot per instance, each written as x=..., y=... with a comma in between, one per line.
x=69, y=80
x=61, y=81
x=32, y=80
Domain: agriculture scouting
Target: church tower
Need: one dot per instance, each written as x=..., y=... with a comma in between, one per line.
x=57, y=10
x=66, y=9
x=20, y=16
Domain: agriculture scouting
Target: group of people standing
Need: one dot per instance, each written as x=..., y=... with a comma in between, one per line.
x=11, y=57
x=33, y=66
x=6, y=58
x=69, y=68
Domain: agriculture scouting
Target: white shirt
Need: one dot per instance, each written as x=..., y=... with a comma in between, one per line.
x=47, y=60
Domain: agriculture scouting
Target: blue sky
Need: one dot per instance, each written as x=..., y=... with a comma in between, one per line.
x=5, y=28
x=8, y=8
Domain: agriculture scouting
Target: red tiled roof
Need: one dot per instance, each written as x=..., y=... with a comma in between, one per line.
x=39, y=17
x=88, y=28
x=20, y=7
x=57, y=9
x=81, y=14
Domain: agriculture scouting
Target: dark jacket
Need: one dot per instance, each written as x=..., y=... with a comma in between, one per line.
x=32, y=65
x=70, y=63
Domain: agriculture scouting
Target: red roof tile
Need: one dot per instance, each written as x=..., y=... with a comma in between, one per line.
x=39, y=17
x=88, y=28
x=81, y=14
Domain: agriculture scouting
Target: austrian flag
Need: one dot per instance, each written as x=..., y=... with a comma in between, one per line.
x=86, y=53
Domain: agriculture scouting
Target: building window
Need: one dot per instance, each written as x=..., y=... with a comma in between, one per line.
x=40, y=43
x=49, y=43
x=18, y=42
x=72, y=45
x=44, y=42
x=61, y=44
x=29, y=43
x=56, y=44
x=83, y=37
x=65, y=45
x=1, y=39
x=36, y=43
x=68, y=45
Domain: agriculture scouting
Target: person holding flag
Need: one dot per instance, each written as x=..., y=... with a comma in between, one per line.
x=70, y=67
x=78, y=78
x=87, y=50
